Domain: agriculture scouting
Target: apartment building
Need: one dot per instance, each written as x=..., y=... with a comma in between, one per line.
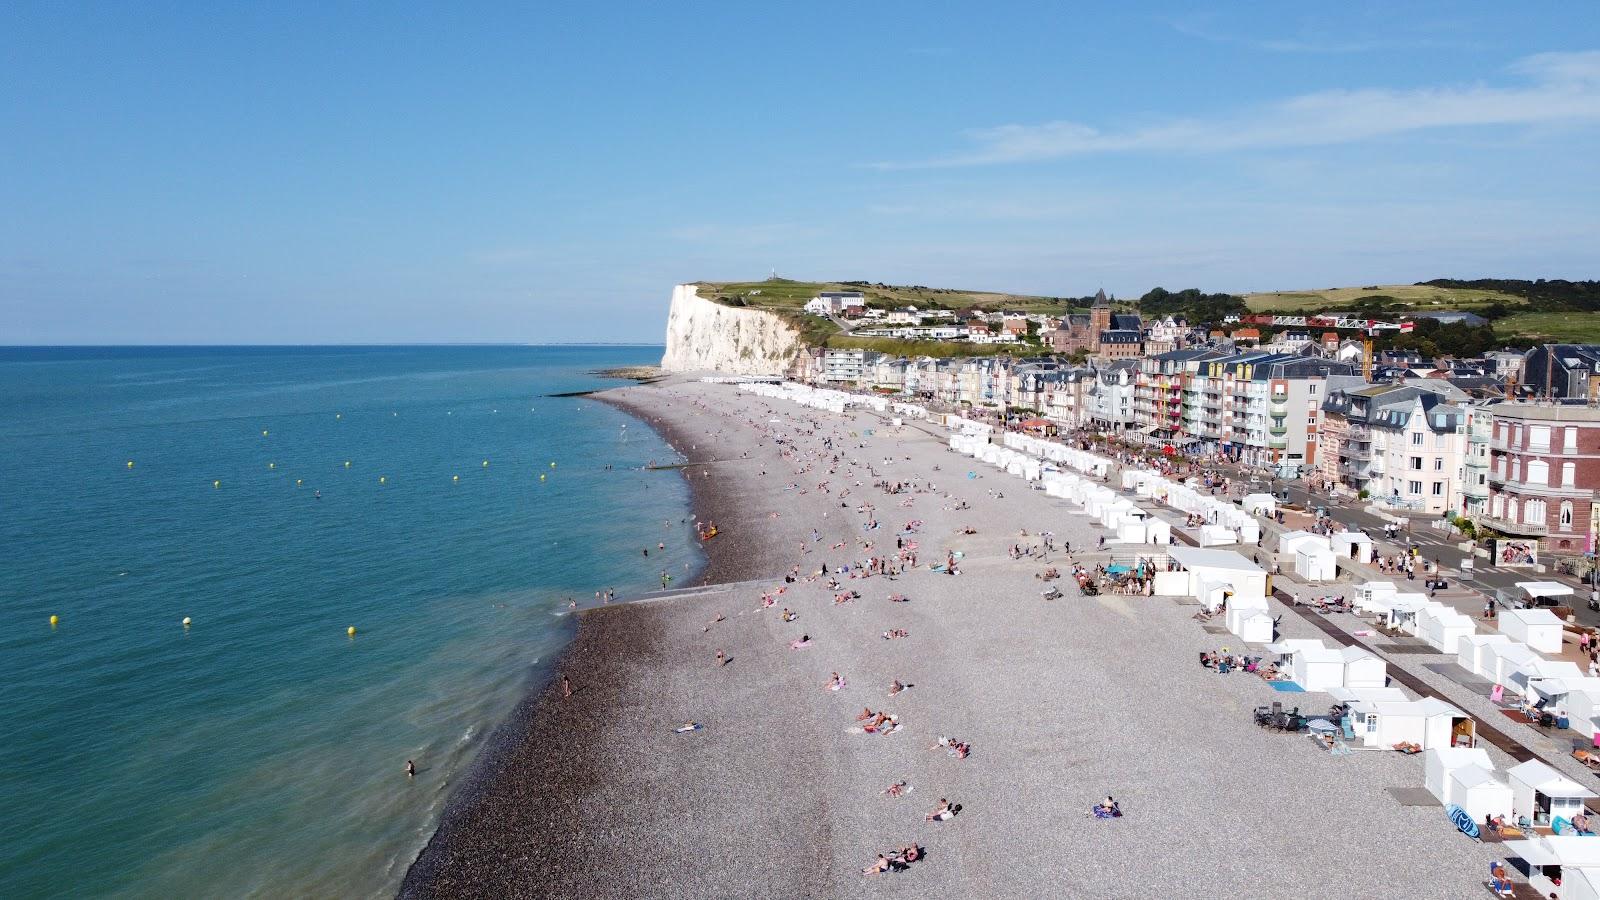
x=1544, y=474
x=1404, y=445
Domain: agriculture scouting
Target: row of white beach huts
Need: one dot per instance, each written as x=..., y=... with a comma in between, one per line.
x=1454, y=769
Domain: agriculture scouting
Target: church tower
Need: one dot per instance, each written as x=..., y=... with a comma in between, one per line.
x=1099, y=315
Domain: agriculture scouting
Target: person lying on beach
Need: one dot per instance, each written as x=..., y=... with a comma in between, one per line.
x=898, y=788
x=899, y=598
x=878, y=867
x=897, y=687
x=788, y=616
x=943, y=813
x=1106, y=809
x=835, y=682
x=803, y=640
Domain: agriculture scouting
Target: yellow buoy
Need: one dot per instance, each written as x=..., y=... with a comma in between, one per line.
x=541, y=477
x=552, y=465
x=382, y=480
x=338, y=415
x=186, y=621
x=272, y=465
x=486, y=464
x=54, y=620
x=347, y=464
x=130, y=463
x=298, y=482
x=351, y=631
x=263, y=432
x=216, y=484
x=455, y=477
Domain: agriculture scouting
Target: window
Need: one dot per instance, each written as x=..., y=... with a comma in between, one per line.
x=1568, y=474
x=1516, y=470
x=1438, y=489
x=1538, y=472
x=1570, y=444
x=1502, y=467
x=1533, y=513
x=1516, y=437
x=1416, y=463
x=1313, y=390
x=1414, y=488
x=1438, y=464
x=1539, y=438
x=1566, y=514
x=1416, y=439
x=1438, y=441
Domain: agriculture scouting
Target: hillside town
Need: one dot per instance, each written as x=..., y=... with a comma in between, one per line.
x=1508, y=441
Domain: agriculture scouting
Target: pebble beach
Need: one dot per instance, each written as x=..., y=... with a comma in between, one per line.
x=780, y=793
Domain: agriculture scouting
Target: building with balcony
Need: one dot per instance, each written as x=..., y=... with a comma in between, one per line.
x=1544, y=474
x=1403, y=445
x=1475, y=463
x=1111, y=396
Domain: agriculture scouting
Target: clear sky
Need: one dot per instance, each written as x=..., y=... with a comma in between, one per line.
x=310, y=172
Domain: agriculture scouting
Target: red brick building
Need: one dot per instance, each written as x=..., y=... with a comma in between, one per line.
x=1544, y=475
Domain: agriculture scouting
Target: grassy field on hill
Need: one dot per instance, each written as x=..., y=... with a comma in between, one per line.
x=785, y=294
x=1420, y=297
x=1564, y=327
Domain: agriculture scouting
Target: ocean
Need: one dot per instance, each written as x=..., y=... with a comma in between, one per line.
x=433, y=498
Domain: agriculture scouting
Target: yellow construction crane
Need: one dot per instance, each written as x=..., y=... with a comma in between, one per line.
x=1366, y=359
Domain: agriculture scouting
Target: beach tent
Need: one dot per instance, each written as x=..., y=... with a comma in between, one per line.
x=1290, y=646
x=1572, y=860
x=1317, y=668
x=1158, y=531
x=1555, y=689
x=1538, y=628
x=1438, y=762
x=1315, y=563
x=1544, y=593
x=1504, y=660
x=1472, y=652
x=1443, y=627
x=1541, y=793
x=1428, y=722
x=1362, y=669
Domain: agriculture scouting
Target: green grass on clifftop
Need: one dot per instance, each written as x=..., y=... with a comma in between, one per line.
x=781, y=293
x=1563, y=327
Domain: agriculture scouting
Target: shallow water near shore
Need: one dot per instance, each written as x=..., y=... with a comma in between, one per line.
x=260, y=751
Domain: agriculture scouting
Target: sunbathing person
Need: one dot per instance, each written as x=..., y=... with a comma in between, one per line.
x=896, y=789
x=803, y=640
x=865, y=714
x=942, y=813
x=878, y=867
x=897, y=687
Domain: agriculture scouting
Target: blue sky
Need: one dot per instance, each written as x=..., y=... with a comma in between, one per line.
x=284, y=173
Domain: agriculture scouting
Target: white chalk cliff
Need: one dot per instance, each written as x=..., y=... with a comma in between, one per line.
x=705, y=335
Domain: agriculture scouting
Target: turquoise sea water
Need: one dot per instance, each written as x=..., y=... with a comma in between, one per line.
x=260, y=751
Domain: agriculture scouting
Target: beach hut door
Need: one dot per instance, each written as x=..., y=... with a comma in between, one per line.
x=1462, y=733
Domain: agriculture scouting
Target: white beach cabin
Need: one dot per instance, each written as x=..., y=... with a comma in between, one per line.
x=1290, y=541
x=1438, y=762
x=1443, y=628
x=1429, y=722
x=1541, y=793
x=1205, y=569
x=1362, y=669
x=1480, y=792
x=1403, y=609
x=1317, y=668
x=1314, y=563
x=1583, y=712
x=1254, y=627
x=1538, y=628
x=1505, y=660
x=1571, y=860
x=1541, y=670
x=1473, y=652
x=1352, y=545
x=1374, y=596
